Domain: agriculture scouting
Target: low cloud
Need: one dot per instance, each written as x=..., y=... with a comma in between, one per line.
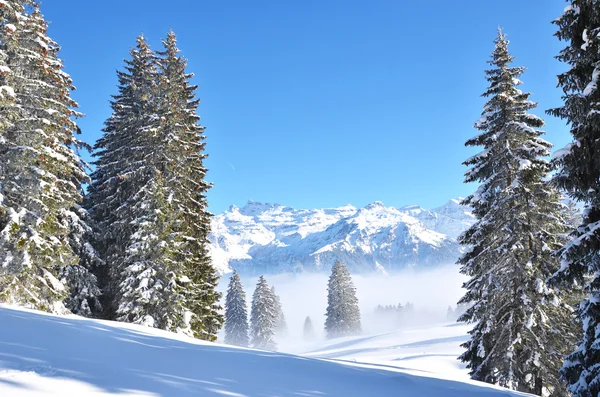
x=431, y=291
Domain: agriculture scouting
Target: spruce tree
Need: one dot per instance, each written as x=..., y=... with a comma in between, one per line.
x=41, y=173
x=148, y=198
x=263, y=318
x=120, y=157
x=236, y=317
x=148, y=291
x=522, y=328
x=182, y=162
x=579, y=175
x=281, y=324
x=343, y=315
x=82, y=284
x=129, y=200
x=308, y=330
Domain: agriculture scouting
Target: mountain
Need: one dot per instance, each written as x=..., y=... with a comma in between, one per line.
x=272, y=238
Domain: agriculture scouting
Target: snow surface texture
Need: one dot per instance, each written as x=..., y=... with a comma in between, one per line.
x=42, y=355
x=271, y=238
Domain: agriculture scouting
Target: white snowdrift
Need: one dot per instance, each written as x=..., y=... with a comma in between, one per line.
x=45, y=355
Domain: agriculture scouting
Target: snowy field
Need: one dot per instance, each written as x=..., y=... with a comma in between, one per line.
x=44, y=355
x=427, y=350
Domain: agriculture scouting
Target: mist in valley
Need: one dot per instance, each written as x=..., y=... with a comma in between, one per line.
x=430, y=291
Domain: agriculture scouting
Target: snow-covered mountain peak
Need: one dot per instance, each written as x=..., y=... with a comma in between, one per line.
x=375, y=205
x=253, y=208
x=271, y=238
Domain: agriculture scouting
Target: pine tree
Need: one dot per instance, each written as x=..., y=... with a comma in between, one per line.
x=236, y=317
x=450, y=314
x=130, y=202
x=281, y=324
x=579, y=175
x=82, y=284
x=522, y=328
x=263, y=317
x=308, y=331
x=148, y=198
x=148, y=289
x=343, y=315
x=182, y=162
x=120, y=167
x=41, y=173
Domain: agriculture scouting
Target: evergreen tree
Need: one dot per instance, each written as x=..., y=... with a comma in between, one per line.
x=130, y=201
x=522, y=328
x=236, y=317
x=82, y=284
x=148, y=198
x=343, y=315
x=308, y=331
x=41, y=173
x=579, y=176
x=182, y=163
x=263, y=317
x=280, y=324
x=148, y=291
x=450, y=314
x=120, y=154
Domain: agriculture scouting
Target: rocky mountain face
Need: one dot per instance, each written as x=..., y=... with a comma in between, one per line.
x=271, y=238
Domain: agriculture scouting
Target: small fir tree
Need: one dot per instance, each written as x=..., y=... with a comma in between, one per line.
x=308, y=330
x=236, y=317
x=343, y=315
x=263, y=318
x=281, y=324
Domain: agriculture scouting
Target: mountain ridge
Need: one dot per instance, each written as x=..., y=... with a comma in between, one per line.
x=273, y=238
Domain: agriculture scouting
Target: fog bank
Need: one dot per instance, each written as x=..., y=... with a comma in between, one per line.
x=431, y=291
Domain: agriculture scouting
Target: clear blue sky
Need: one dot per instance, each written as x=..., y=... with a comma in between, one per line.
x=322, y=103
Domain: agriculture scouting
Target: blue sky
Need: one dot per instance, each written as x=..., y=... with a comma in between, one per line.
x=322, y=103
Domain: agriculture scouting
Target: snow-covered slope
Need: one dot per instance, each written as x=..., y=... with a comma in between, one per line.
x=271, y=238
x=430, y=350
x=43, y=356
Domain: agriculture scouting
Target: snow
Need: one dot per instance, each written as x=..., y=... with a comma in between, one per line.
x=43, y=355
x=586, y=40
x=7, y=91
x=593, y=83
x=560, y=153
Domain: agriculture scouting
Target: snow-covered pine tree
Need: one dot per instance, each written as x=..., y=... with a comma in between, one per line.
x=41, y=173
x=343, y=315
x=82, y=284
x=308, y=330
x=182, y=163
x=236, y=316
x=263, y=317
x=281, y=324
x=149, y=292
x=130, y=200
x=450, y=314
x=120, y=154
x=522, y=328
x=579, y=175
